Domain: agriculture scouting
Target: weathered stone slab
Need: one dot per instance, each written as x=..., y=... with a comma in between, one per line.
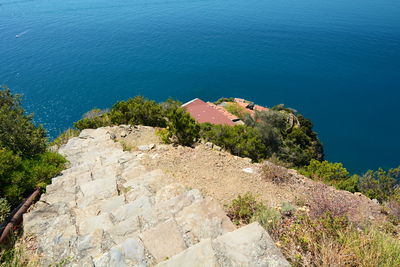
x=88, y=225
x=106, y=172
x=248, y=246
x=90, y=244
x=204, y=219
x=133, y=172
x=129, y=253
x=169, y=191
x=125, y=229
x=163, y=241
x=199, y=255
x=111, y=204
x=100, y=189
x=167, y=209
x=139, y=206
x=153, y=180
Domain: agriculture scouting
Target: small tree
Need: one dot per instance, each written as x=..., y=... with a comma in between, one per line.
x=181, y=128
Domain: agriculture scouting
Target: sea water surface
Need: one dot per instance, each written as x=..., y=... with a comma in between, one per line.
x=336, y=61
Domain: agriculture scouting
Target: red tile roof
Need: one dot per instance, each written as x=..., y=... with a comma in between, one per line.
x=203, y=112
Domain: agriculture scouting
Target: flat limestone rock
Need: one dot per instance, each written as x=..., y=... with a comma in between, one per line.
x=204, y=219
x=103, y=221
x=250, y=245
x=199, y=255
x=98, y=190
x=163, y=241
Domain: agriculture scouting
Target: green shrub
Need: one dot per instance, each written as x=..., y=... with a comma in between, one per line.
x=274, y=173
x=18, y=256
x=17, y=131
x=380, y=184
x=240, y=140
x=63, y=138
x=22, y=176
x=181, y=128
x=287, y=209
x=325, y=171
x=332, y=174
x=267, y=217
x=245, y=209
x=4, y=209
x=235, y=109
x=287, y=134
x=93, y=122
x=224, y=99
x=350, y=184
x=138, y=111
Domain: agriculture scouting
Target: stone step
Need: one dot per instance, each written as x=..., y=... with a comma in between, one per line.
x=248, y=246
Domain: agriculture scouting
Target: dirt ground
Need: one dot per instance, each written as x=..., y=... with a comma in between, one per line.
x=224, y=176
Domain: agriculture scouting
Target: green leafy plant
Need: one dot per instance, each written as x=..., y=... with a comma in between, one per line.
x=4, y=209
x=138, y=111
x=240, y=140
x=24, y=162
x=93, y=121
x=380, y=184
x=246, y=209
x=17, y=131
x=224, y=99
x=235, y=109
x=63, y=138
x=181, y=128
x=22, y=176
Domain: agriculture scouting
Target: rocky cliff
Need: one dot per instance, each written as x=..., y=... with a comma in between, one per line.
x=107, y=209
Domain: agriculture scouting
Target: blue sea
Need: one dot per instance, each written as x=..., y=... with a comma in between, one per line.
x=335, y=61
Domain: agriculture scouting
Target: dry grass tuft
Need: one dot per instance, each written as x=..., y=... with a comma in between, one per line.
x=321, y=201
x=275, y=174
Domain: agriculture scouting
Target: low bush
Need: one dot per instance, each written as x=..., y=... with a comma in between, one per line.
x=63, y=138
x=4, y=209
x=237, y=110
x=224, y=99
x=138, y=111
x=245, y=209
x=322, y=199
x=332, y=174
x=380, y=184
x=181, y=128
x=274, y=173
x=19, y=176
x=325, y=171
x=18, y=256
x=240, y=140
x=93, y=122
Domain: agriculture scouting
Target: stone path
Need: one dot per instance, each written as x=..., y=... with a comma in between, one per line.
x=108, y=210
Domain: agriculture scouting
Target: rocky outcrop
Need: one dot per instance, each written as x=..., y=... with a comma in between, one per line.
x=106, y=209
